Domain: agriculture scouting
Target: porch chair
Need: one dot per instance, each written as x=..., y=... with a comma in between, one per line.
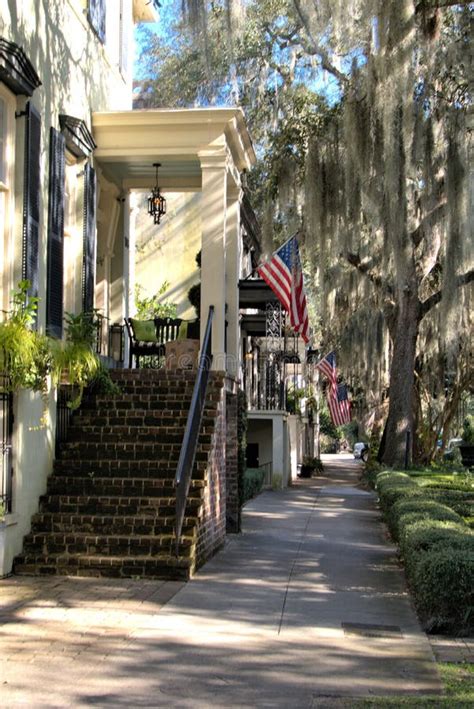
x=148, y=337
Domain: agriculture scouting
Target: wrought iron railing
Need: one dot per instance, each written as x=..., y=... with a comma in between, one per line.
x=6, y=428
x=193, y=426
x=63, y=415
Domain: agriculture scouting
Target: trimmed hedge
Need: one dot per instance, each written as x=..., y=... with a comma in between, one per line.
x=443, y=580
x=253, y=482
x=437, y=547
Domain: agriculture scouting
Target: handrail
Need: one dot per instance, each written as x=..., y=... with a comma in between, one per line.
x=193, y=426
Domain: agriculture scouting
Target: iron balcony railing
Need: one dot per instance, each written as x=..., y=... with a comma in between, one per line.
x=193, y=426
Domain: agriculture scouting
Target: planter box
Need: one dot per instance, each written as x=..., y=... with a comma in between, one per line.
x=182, y=354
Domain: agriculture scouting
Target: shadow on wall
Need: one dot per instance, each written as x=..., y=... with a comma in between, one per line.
x=167, y=252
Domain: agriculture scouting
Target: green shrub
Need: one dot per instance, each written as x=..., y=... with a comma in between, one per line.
x=425, y=535
x=253, y=481
x=388, y=479
x=406, y=512
x=443, y=587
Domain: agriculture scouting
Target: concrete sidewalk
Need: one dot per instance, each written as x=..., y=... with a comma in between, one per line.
x=306, y=605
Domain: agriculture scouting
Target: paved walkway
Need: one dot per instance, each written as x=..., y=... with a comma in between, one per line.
x=306, y=605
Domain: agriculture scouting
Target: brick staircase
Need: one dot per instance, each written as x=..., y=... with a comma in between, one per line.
x=109, y=509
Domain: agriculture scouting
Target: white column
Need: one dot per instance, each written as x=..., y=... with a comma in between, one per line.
x=213, y=253
x=278, y=446
x=233, y=267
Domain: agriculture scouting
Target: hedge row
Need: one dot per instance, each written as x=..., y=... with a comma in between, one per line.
x=253, y=482
x=437, y=548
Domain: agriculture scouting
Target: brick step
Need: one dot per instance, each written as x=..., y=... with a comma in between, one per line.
x=125, y=399
x=108, y=524
x=48, y=543
x=124, y=468
x=157, y=455
x=115, y=505
x=138, y=418
x=162, y=566
x=119, y=435
x=124, y=487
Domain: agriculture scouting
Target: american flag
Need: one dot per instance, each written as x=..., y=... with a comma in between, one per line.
x=339, y=404
x=284, y=275
x=327, y=366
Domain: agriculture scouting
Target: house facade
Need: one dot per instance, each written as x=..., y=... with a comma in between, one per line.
x=59, y=62
x=74, y=159
x=76, y=163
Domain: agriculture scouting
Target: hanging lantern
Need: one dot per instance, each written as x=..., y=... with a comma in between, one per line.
x=156, y=201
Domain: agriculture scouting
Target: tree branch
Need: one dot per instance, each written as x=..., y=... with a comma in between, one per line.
x=437, y=4
x=365, y=269
x=427, y=222
x=435, y=298
x=313, y=47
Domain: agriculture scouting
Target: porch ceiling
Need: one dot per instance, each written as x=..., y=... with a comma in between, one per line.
x=129, y=142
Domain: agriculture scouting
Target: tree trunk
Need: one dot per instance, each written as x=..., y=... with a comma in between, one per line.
x=400, y=412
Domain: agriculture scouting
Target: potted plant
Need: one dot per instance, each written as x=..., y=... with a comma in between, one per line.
x=467, y=446
x=74, y=361
x=309, y=466
x=25, y=355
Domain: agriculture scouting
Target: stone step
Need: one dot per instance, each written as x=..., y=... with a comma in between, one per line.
x=48, y=543
x=125, y=487
x=162, y=566
x=108, y=524
x=115, y=505
x=124, y=468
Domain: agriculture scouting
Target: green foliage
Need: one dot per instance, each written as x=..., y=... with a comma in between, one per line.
x=252, y=483
x=24, y=352
x=436, y=545
x=327, y=427
x=468, y=430
x=315, y=464
x=443, y=582
x=152, y=307
x=294, y=395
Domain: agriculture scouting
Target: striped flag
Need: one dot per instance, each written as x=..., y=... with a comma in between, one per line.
x=339, y=404
x=327, y=367
x=284, y=275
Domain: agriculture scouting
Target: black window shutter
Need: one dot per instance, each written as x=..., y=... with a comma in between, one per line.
x=54, y=297
x=31, y=199
x=96, y=17
x=88, y=269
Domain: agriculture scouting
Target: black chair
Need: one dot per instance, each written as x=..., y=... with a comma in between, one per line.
x=166, y=329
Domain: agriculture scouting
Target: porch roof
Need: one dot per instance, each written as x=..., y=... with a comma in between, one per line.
x=129, y=142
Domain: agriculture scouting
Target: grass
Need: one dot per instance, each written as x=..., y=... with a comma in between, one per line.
x=458, y=682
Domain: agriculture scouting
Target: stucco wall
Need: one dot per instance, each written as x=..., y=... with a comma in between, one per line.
x=78, y=76
x=167, y=252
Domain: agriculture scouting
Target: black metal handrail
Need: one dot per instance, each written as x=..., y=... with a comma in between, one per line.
x=193, y=426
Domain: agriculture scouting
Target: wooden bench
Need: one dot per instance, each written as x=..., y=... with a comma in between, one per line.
x=157, y=335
